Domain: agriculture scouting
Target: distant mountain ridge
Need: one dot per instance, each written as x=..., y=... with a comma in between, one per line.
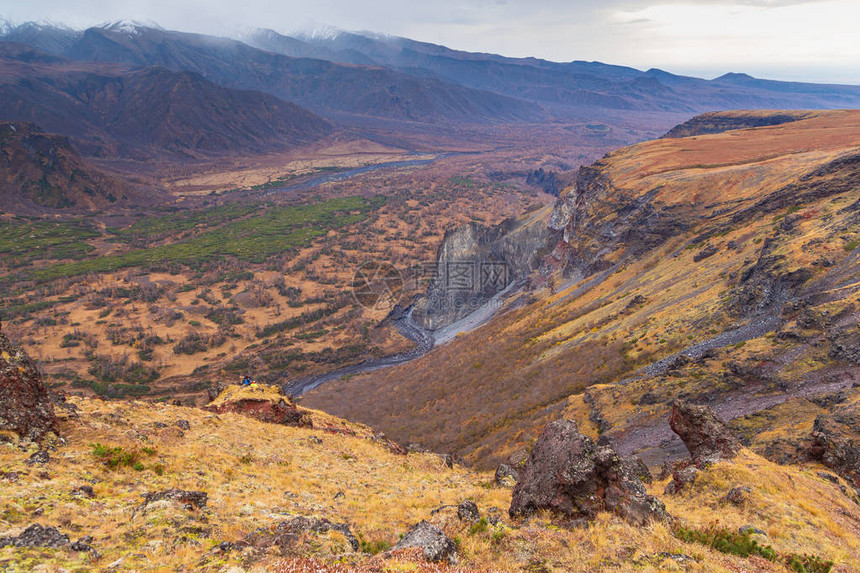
x=576, y=83
x=141, y=111
x=318, y=84
x=372, y=75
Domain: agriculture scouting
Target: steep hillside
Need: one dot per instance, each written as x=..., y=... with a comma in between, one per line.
x=722, y=268
x=320, y=85
x=112, y=109
x=41, y=171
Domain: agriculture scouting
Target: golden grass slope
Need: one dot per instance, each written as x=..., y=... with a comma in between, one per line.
x=257, y=475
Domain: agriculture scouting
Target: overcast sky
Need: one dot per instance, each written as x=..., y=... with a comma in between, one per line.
x=815, y=40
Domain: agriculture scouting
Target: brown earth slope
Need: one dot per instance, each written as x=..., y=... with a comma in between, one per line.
x=117, y=110
x=42, y=171
x=721, y=268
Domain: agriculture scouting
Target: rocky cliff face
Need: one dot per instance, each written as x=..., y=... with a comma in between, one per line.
x=596, y=224
x=476, y=262
x=718, y=122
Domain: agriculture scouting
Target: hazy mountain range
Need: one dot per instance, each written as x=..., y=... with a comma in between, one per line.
x=341, y=76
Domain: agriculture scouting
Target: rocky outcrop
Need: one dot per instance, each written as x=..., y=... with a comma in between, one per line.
x=845, y=345
x=707, y=438
x=264, y=403
x=435, y=545
x=50, y=537
x=570, y=475
x=718, y=122
x=25, y=405
x=835, y=445
x=596, y=223
x=474, y=263
x=765, y=286
x=286, y=533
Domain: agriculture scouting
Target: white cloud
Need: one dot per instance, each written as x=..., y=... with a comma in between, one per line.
x=795, y=39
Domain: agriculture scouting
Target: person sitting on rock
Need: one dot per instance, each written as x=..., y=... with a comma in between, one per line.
x=246, y=381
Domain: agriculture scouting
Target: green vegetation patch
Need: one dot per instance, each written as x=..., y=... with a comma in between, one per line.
x=742, y=544
x=154, y=228
x=115, y=457
x=23, y=241
x=251, y=239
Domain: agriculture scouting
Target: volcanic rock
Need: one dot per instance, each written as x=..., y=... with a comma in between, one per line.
x=25, y=406
x=834, y=446
x=37, y=536
x=567, y=473
x=707, y=438
x=264, y=403
x=436, y=545
x=682, y=479
x=468, y=511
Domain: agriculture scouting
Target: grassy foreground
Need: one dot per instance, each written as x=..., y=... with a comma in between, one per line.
x=258, y=474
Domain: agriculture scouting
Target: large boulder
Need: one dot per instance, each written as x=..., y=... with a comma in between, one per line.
x=834, y=445
x=707, y=438
x=436, y=546
x=25, y=405
x=570, y=475
x=262, y=402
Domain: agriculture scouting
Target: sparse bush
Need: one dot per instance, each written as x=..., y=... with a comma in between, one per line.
x=808, y=564
x=726, y=541
x=479, y=527
x=372, y=546
x=115, y=457
x=191, y=344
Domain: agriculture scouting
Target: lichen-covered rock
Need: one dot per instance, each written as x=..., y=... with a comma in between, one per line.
x=25, y=405
x=468, y=511
x=707, y=438
x=187, y=499
x=506, y=476
x=437, y=547
x=37, y=536
x=682, y=479
x=567, y=473
x=738, y=496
